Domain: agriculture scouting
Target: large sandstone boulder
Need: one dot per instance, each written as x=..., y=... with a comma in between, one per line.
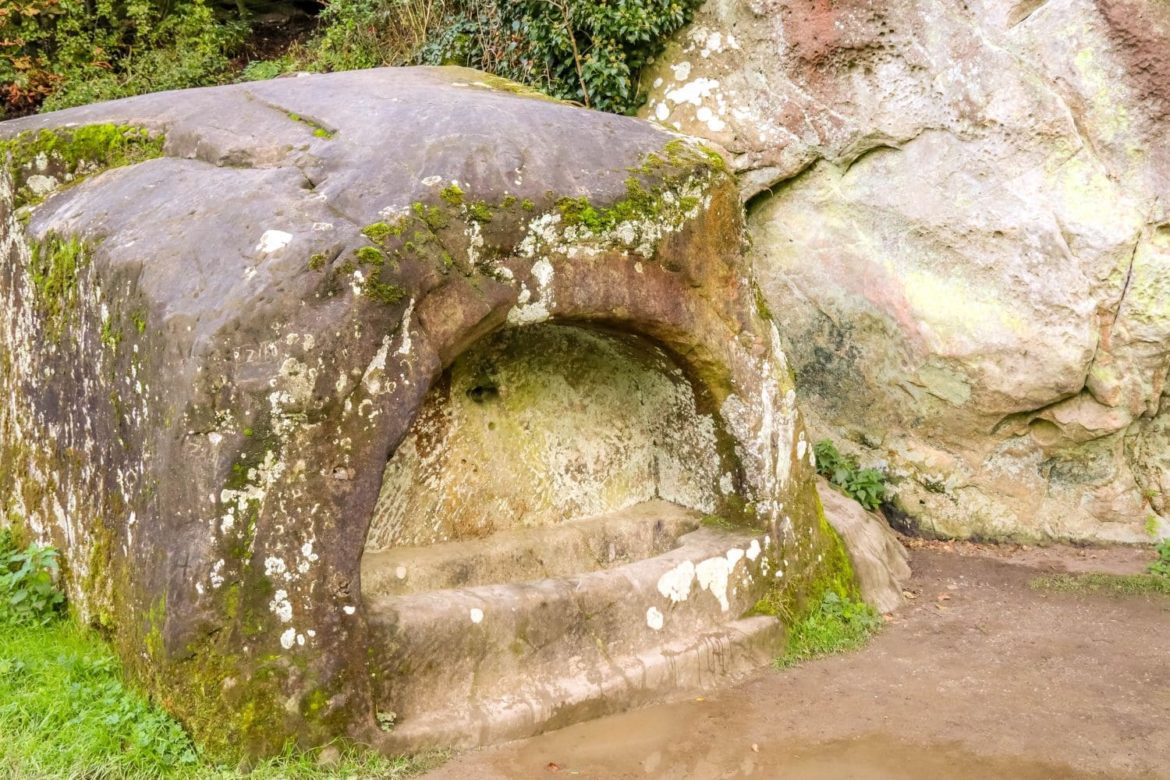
x=960, y=222
x=320, y=382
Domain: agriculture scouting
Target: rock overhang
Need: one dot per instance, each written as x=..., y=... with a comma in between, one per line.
x=254, y=312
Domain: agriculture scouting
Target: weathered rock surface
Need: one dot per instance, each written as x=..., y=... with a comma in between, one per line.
x=960, y=221
x=224, y=310
x=880, y=561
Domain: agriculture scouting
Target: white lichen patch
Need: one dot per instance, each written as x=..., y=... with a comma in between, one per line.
x=288, y=638
x=676, y=583
x=404, y=347
x=528, y=312
x=655, y=619
x=216, y=574
x=281, y=606
x=273, y=241
x=476, y=615
x=712, y=576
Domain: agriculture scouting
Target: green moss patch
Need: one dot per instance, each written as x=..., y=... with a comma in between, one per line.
x=319, y=130
x=55, y=262
x=43, y=161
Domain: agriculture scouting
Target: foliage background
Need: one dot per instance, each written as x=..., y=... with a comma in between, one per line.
x=60, y=53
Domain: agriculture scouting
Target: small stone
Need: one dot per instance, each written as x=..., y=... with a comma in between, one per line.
x=329, y=757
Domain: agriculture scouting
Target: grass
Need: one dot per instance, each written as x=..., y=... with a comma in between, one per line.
x=837, y=625
x=1113, y=584
x=66, y=712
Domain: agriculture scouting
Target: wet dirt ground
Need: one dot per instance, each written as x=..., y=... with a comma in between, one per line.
x=979, y=676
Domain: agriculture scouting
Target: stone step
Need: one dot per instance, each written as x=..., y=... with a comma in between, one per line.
x=538, y=704
x=479, y=664
x=525, y=554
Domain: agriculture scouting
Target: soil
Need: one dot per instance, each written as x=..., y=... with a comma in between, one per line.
x=978, y=676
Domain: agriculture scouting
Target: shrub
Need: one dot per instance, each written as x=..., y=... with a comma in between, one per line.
x=28, y=583
x=866, y=486
x=594, y=52
x=60, y=53
x=589, y=52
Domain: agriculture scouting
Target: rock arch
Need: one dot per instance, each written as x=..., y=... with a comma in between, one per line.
x=253, y=314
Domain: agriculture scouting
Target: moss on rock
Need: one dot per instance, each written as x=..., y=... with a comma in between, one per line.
x=54, y=264
x=42, y=162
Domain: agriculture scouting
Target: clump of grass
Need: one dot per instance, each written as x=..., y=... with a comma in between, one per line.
x=1114, y=584
x=865, y=486
x=67, y=711
x=836, y=625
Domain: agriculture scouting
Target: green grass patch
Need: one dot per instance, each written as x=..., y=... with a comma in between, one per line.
x=66, y=711
x=836, y=625
x=1113, y=584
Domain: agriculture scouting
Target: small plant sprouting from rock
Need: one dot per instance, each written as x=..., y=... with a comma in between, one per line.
x=866, y=486
x=836, y=625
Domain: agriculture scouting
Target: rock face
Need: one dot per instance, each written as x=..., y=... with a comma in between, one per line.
x=881, y=562
x=234, y=318
x=959, y=219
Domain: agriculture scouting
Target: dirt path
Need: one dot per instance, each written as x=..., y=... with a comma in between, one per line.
x=980, y=677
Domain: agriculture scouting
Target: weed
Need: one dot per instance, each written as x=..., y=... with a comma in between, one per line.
x=836, y=625
x=866, y=486
x=1161, y=567
x=28, y=584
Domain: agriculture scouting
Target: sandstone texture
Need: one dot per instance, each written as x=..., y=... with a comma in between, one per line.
x=880, y=561
x=960, y=222
x=224, y=310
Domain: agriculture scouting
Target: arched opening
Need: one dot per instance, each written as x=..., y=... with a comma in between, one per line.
x=554, y=478
x=538, y=426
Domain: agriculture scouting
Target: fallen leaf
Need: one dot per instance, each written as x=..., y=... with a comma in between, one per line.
x=553, y=767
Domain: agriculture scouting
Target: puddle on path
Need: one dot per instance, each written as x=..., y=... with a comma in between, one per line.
x=877, y=757
x=644, y=744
